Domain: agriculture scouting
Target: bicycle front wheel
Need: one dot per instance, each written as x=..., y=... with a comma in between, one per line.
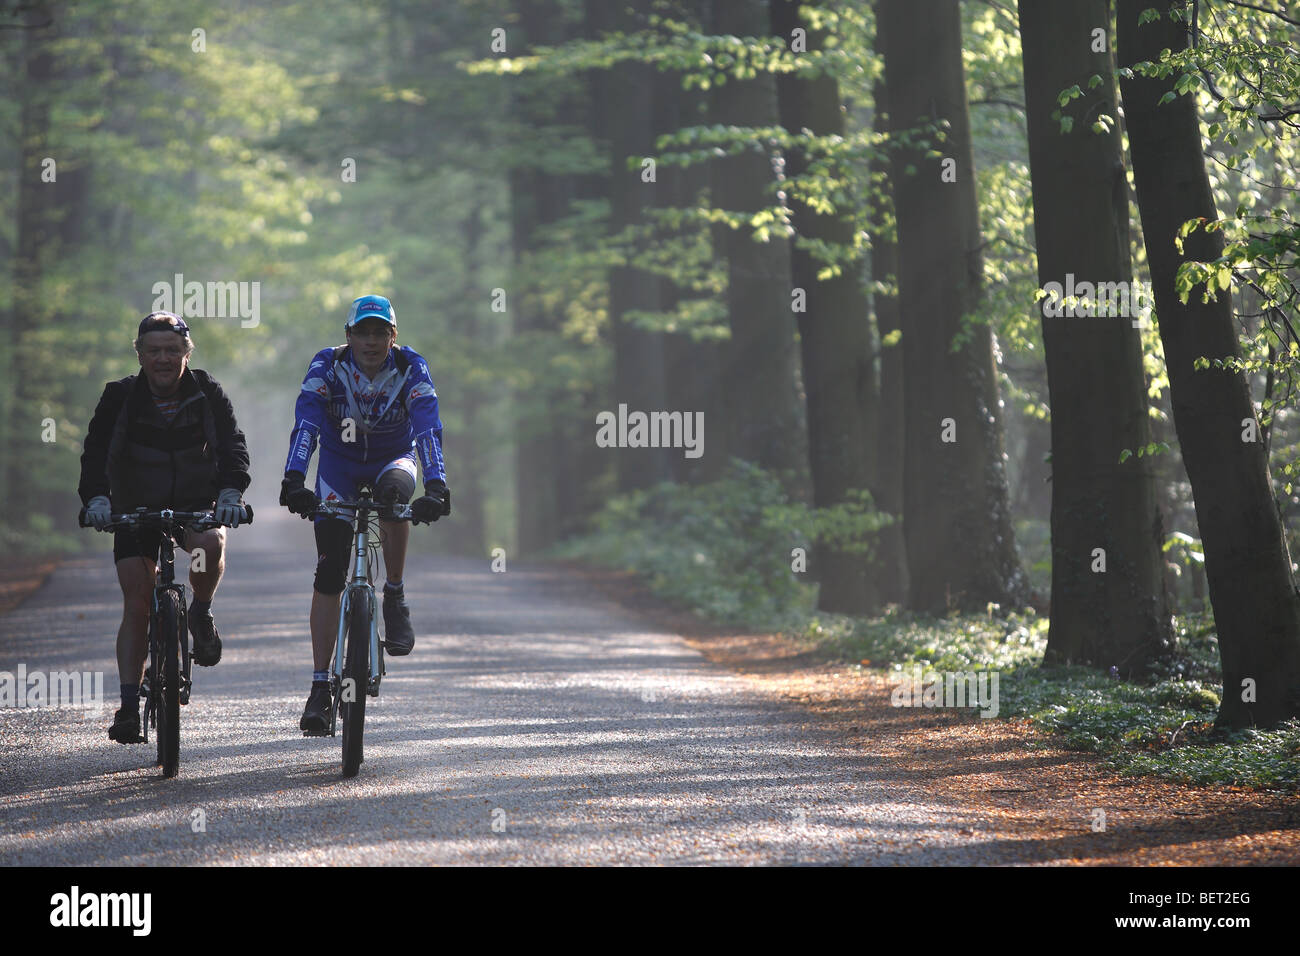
x=356, y=682
x=167, y=680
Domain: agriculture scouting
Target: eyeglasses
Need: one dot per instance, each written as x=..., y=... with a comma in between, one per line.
x=156, y=352
x=371, y=332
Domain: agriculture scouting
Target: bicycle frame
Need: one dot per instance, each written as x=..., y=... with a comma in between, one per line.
x=360, y=587
x=349, y=644
x=164, y=581
x=169, y=523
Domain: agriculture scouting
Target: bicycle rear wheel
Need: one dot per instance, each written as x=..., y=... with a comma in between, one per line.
x=356, y=676
x=167, y=682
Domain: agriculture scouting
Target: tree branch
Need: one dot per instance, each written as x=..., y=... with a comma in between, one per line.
x=1277, y=13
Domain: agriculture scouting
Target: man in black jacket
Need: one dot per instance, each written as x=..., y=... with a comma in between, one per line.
x=165, y=438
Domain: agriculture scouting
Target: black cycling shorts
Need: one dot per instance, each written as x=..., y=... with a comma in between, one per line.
x=141, y=543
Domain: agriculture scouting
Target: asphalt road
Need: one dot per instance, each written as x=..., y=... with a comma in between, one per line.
x=535, y=723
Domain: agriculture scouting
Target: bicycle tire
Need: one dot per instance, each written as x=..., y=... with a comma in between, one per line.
x=357, y=669
x=168, y=624
x=155, y=689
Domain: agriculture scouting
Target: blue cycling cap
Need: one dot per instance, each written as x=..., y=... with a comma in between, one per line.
x=369, y=306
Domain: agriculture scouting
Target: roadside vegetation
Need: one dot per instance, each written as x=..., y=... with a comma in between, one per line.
x=724, y=550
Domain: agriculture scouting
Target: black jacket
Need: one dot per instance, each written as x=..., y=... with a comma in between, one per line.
x=138, y=459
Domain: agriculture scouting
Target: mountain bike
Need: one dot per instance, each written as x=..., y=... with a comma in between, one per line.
x=357, y=665
x=167, y=682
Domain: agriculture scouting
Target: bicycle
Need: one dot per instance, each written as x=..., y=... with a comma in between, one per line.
x=357, y=665
x=168, y=681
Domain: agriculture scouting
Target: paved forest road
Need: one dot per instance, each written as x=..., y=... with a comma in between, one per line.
x=529, y=701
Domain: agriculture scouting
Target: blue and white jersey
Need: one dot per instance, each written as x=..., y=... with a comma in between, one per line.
x=388, y=414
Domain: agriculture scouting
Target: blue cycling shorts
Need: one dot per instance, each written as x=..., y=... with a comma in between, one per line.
x=338, y=479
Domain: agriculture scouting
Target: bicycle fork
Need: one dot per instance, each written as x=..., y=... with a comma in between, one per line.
x=151, y=681
x=360, y=588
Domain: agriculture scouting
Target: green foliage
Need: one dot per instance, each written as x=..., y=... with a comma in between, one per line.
x=1093, y=712
x=224, y=164
x=899, y=639
x=724, y=548
x=1165, y=730
x=1034, y=540
x=1264, y=759
x=1186, y=549
x=1146, y=451
x=1242, y=72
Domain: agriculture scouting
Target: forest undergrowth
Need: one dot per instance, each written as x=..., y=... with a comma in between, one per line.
x=728, y=550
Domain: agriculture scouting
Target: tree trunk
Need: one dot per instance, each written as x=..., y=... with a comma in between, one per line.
x=51, y=221
x=888, y=450
x=37, y=229
x=961, y=549
x=763, y=424
x=693, y=368
x=1247, y=565
x=536, y=485
x=625, y=106
x=543, y=498
x=834, y=335
x=471, y=462
x=1111, y=614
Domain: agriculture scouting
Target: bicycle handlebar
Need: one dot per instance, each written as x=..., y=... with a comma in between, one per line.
x=199, y=520
x=385, y=512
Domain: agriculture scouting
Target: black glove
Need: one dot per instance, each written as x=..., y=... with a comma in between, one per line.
x=435, y=503
x=295, y=497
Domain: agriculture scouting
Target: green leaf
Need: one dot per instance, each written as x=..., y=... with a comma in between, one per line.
x=1072, y=93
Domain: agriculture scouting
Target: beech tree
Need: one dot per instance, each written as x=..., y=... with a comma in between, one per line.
x=625, y=100
x=834, y=333
x=1108, y=601
x=887, y=467
x=961, y=549
x=546, y=490
x=763, y=424
x=1247, y=564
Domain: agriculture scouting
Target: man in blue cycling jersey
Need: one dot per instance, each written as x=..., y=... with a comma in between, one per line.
x=372, y=407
